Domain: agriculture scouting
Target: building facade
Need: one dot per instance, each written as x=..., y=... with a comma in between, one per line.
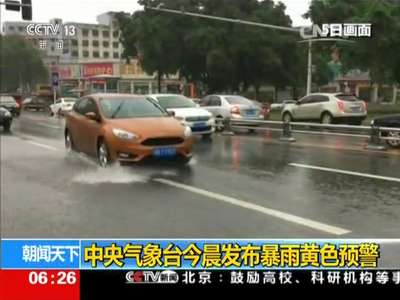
x=90, y=60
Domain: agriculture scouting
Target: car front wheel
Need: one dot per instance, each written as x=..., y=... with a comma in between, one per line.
x=103, y=155
x=69, y=146
x=7, y=127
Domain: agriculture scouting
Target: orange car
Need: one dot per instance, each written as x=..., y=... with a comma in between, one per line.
x=119, y=127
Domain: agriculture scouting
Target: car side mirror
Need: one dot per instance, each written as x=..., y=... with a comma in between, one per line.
x=92, y=116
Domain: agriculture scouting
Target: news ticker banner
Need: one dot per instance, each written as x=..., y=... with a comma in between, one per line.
x=89, y=269
x=189, y=254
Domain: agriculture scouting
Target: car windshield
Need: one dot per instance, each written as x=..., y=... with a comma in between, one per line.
x=7, y=99
x=175, y=101
x=345, y=97
x=238, y=100
x=126, y=108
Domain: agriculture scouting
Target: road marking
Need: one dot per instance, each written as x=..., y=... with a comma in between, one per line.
x=43, y=146
x=345, y=172
x=261, y=209
x=49, y=126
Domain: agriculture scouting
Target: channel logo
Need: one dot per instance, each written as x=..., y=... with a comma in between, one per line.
x=153, y=277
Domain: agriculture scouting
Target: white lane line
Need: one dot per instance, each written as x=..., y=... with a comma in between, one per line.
x=43, y=146
x=49, y=126
x=366, y=175
x=261, y=209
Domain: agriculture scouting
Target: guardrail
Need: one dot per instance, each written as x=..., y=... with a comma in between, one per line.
x=374, y=133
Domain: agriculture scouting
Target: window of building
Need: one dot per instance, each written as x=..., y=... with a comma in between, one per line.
x=85, y=32
x=106, y=54
x=95, y=32
x=116, y=55
x=74, y=42
x=52, y=48
x=75, y=54
x=95, y=43
x=85, y=43
x=106, y=34
x=65, y=51
x=115, y=45
x=96, y=54
x=85, y=53
x=106, y=44
x=116, y=33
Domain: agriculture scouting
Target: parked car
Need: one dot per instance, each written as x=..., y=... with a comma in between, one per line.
x=123, y=127
x=38, y=104
x=327, y=108
x=62, y=106
x=185, y=110
x=5, y=119
x=230, y=106
x=9, y=103
x=392, y=121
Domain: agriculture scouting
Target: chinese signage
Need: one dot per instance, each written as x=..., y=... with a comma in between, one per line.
x=90, y=70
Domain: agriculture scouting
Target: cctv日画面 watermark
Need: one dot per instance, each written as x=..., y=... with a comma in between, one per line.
x=337, y=30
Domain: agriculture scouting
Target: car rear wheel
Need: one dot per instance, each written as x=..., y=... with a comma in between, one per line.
x=287, y=117
x=326, y=118
x=103, y=156
x=219, y=124
x=394, y=143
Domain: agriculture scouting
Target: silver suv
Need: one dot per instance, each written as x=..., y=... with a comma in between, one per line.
x=327, y=109
x=231, y=107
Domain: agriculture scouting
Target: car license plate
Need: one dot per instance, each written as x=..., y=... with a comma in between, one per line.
x=164, y=152
x=251, y=113
x=197, y=125
x=356, y=109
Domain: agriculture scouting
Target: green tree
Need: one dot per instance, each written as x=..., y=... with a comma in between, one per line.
x=223, y=56
x=20, y=64
x=378, y=54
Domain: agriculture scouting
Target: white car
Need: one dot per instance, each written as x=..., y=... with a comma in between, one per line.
x=326, y=108
x=231, y=107
x=198, y=119
x=62, y=106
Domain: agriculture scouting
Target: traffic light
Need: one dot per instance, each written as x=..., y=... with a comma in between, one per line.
x=25, y=5
x=12, y=5
x=26, y=10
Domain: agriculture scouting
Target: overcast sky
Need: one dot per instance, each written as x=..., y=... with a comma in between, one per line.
x=85, y=11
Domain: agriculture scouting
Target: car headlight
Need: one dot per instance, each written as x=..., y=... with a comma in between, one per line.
x=124, y=135
x=372, y=122
x=7, y=113
x=188, y=132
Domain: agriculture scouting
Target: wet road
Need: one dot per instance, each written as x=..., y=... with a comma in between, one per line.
x=236, y=187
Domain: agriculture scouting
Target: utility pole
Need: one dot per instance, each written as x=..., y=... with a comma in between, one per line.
x=269, y=26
